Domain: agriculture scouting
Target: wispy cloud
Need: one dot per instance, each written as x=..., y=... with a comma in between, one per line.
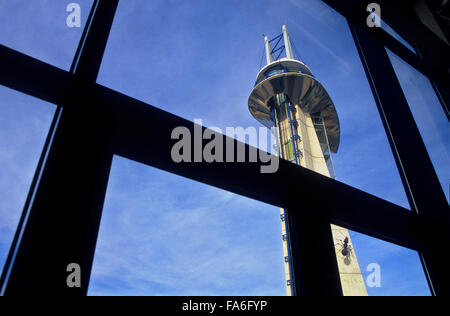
x=24, y=125
x=155, y=241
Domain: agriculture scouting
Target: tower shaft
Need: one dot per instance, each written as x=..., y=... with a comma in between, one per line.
x=302, y=140
x=287, y=95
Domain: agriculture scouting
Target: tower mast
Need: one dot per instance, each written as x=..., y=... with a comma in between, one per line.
x=286, y=95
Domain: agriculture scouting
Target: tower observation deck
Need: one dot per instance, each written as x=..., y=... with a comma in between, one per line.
x=288, y=97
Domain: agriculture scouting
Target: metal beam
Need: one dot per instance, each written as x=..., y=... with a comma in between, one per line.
x=143, y=135
x=416, y=170
x=62, y=222
x=314, y=264
x=127, y=111
x=33, y=77
x=287, y=43
x=432, y=51
x=269, y=57
x=61, y=218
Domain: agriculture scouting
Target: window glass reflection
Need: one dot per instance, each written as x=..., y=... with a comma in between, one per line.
x=40, y=29
x=24, y=123
x=429, y=116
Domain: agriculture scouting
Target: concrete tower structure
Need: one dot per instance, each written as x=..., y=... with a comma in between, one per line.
x=287, y=96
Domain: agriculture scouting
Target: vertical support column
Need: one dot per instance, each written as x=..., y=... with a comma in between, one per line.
x=419, y=179
x=289, y=278
x=59, y=225
x=269, y=57
x=314, y=264
x=62, y=222
x=287, y=43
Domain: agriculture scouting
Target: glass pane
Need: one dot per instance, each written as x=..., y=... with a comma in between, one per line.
x=40, y=29
x=200, y=59
x=388, y=269
x=429, y=116
x=24, y=124
x=162, y=234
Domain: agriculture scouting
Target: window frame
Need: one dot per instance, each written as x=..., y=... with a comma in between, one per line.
x=61, y=218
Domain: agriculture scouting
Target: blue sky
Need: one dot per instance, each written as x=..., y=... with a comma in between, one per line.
x=165, y=235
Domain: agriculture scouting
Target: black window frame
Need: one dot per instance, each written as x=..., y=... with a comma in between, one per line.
x=61, y=217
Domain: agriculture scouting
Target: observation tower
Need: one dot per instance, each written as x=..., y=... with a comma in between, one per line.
x=288, y=97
